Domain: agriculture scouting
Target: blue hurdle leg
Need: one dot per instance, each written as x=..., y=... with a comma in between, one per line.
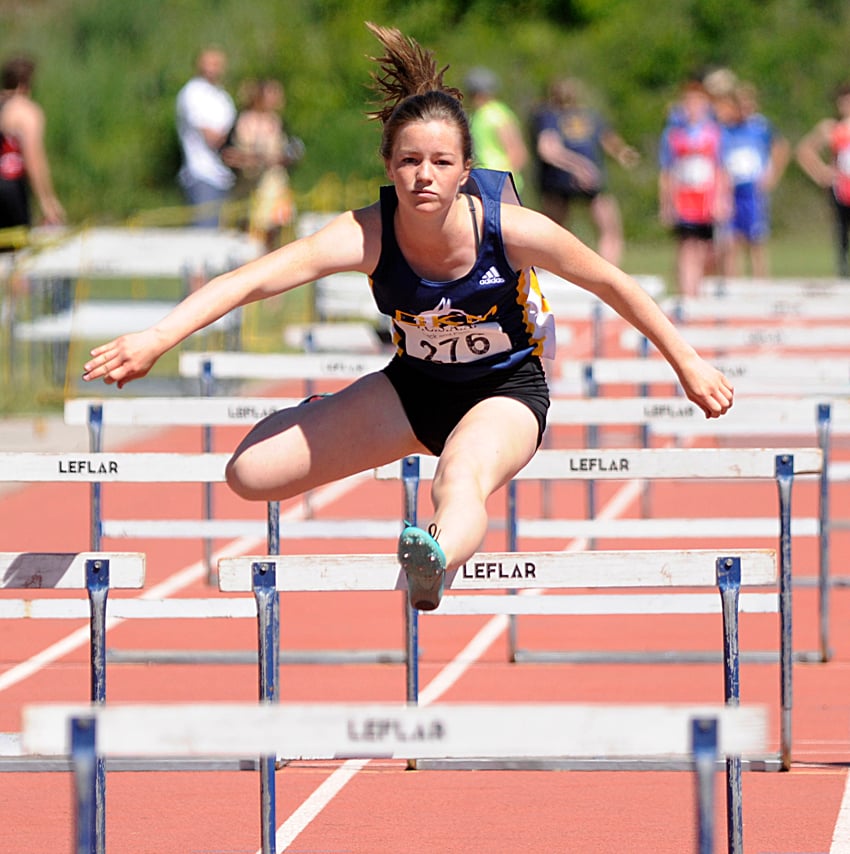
x=729, y=583
x=264, y=584
x=97, y=585
x=84, y=761
x=410, y=482
x=784, y=480
x=207, y=387
x=824, y=420
x=704, y=748
x=95, y=427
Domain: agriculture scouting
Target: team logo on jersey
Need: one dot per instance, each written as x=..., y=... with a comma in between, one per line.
x=444, y=316
x=491, y=277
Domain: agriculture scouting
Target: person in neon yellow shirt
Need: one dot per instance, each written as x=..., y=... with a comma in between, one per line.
x=496, y=135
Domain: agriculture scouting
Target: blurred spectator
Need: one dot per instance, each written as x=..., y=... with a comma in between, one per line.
x=24, y=166
x=571, y=140
x=205, y=116
x=755, y=158
x=832, y=135
x=497, y=141
x=692, y=185
x=260, y=152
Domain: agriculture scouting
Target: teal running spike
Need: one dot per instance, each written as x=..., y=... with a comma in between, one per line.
x=424, y=563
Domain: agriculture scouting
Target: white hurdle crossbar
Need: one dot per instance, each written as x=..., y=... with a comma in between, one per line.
x=828, y=305
x=334, y=731
x=713, y=338
x=755, y=287
x=755, y=375
x=278, y=366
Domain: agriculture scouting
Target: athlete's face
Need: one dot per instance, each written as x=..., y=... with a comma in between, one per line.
x=427, y=165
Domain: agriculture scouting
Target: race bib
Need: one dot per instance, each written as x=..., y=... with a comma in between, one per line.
x=744, y=165
x=454, y=344
x=695, y=170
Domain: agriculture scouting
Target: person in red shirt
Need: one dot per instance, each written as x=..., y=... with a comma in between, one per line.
x=24, y=166
x=692, y=186
x=832, y=136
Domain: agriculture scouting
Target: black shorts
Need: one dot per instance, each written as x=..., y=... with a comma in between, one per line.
x=698, y=230
x=571, y=193
x=435, y=407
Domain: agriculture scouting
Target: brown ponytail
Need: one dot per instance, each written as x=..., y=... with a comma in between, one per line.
x=410, y=88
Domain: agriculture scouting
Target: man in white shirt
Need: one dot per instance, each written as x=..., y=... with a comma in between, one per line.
x=205, y=115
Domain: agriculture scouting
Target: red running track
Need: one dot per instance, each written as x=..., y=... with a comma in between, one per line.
x=378, y=807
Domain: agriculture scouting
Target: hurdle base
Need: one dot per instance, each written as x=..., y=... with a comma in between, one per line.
x=526, y=656
x=312, y=656
x=814, y=581
x=60, y=764
x=753, y=763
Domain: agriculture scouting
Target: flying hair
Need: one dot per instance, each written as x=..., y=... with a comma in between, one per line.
x=406, y=69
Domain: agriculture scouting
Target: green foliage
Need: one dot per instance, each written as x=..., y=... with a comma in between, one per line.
x=109, y=72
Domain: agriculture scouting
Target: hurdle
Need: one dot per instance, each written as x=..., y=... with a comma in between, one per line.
x=91, y=412
x=825, y=306
x=570, y=302
x=97, y=573
x=93, y=572
x=654, y=463
x=744, y=287
x=763, y=416
x=97, y=253
x=171, y=467
x=168, y=467
x=207, y=412
x=211, y=366
x=756, y=375
x=786, y=337
x=536, y=572
x=334, y=731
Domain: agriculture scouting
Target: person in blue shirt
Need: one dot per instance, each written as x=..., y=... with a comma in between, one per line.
x=450, y=256
x=754, y=156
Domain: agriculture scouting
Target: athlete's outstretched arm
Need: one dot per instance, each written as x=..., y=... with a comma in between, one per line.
x=347, y=243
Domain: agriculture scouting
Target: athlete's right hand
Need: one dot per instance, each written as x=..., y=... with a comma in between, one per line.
x=126, y=358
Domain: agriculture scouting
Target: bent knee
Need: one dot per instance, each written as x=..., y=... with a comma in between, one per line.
x=254, y=479
x=234, y=476
x=245, y=480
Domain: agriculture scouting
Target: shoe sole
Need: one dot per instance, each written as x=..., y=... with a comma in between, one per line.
x=424, y=589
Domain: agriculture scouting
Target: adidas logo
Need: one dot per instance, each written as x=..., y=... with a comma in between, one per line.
x=491, y=277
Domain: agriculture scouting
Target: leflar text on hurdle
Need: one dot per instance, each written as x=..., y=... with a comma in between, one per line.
x=599, y=464
x=88, y=467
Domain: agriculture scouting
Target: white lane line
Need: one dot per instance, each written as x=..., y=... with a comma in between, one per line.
x=173, y=584
x=841, y=834
x=442, y=682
